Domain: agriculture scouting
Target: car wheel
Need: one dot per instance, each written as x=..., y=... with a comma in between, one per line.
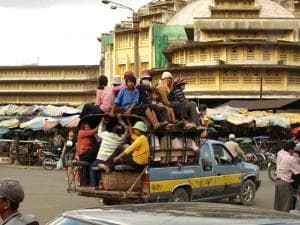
x=247, y=193
x=180, y=195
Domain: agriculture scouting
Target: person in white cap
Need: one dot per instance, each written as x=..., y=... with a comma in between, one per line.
x=165, y=89
x=11, y=195
x=233, y=147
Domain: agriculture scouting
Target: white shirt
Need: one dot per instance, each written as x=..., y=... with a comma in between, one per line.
x=286, y=166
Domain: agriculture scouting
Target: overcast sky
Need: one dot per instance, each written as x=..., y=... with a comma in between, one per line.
x=56, y=32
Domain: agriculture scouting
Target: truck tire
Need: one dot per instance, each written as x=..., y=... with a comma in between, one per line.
x=247, y=192
x=180, y=195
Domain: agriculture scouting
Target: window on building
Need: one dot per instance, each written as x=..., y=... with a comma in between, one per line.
x=191, y=55
x=296, y=55
x=251, y=77
x=273, y=77
x=230, y=77
x=234, y=55
x=250, y=53
x=266, y=54
x=181, y=57
x=216, y=53
x=203, y=54
x=294, y=78
x=282, y=54
x=122, y=68
x=191, y=79
x=207, y=78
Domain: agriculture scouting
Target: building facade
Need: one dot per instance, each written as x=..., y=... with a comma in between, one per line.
x=59, y=85
x=227, y=49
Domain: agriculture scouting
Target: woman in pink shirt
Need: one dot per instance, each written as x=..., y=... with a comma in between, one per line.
x=104, y=95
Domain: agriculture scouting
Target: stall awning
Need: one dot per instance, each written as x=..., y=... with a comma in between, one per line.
x=263, y=104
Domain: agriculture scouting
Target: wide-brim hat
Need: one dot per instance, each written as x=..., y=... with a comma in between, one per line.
x=141, y=126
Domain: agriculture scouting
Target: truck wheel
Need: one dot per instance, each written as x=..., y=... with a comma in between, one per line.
x=180, y=195
x=247, y=193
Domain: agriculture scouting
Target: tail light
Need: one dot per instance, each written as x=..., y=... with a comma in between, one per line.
x=145, y=186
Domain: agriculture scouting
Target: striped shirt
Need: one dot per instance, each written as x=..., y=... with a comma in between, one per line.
x=178, y=94
x=110, y=142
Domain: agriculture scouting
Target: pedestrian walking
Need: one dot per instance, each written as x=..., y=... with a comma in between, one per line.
x=11, y=195
x=287, y=165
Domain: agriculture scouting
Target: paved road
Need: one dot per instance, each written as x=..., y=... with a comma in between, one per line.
x=46, y=195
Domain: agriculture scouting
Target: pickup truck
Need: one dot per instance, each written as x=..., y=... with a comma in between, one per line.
x=207, y=174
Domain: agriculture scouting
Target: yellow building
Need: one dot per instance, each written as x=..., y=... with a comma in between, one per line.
x=59, y=85
x=224, y=49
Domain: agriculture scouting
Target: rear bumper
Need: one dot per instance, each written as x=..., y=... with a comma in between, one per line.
x=114, y=195
x=257, y=184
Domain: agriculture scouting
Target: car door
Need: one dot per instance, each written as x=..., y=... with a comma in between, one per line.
x=227, y=170
x=206, y=182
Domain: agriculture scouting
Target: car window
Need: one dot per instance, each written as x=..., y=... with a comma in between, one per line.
x=222, y=155
x=67, y=221
x=205, y=156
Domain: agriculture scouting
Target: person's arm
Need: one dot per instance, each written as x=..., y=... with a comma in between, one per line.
x=129, y=110
x=239, y=150
x=163, y=95
x=295, y=166
x=101, y=127
x=87, y=133
x=98, y=100
x=63, y=151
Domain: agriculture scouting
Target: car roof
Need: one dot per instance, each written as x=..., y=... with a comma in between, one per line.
x=180, y=213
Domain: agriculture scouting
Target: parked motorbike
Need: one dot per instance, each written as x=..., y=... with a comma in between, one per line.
x=50, y=159
x=272, y=170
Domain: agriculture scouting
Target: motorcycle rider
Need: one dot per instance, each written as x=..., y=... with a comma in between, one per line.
x=11, y=195
x=234, y=147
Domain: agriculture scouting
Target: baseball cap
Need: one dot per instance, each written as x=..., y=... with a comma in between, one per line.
x=116, y=80
x=166, y=75
x=231, y=136
x=12, y=190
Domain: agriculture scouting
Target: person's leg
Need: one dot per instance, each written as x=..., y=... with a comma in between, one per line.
x=179, y=110
x=192, y=112
x=151, y=118
x=94, y=174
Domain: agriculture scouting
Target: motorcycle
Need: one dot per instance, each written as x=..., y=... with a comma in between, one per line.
x=272, y=170
x=50, y=159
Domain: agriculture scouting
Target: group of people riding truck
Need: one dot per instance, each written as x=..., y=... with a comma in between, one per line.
x=116, y=140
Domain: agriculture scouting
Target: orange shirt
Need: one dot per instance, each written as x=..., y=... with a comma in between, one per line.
x=85, y=140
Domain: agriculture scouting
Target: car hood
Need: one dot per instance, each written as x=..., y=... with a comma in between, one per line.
x=184, y=213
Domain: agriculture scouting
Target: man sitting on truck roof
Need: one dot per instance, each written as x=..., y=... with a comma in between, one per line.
x=112, y=135
x=137, y=154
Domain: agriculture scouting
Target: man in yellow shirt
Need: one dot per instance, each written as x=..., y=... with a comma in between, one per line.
x=137, y=154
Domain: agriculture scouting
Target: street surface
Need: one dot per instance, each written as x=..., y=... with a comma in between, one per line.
x=46, y=195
